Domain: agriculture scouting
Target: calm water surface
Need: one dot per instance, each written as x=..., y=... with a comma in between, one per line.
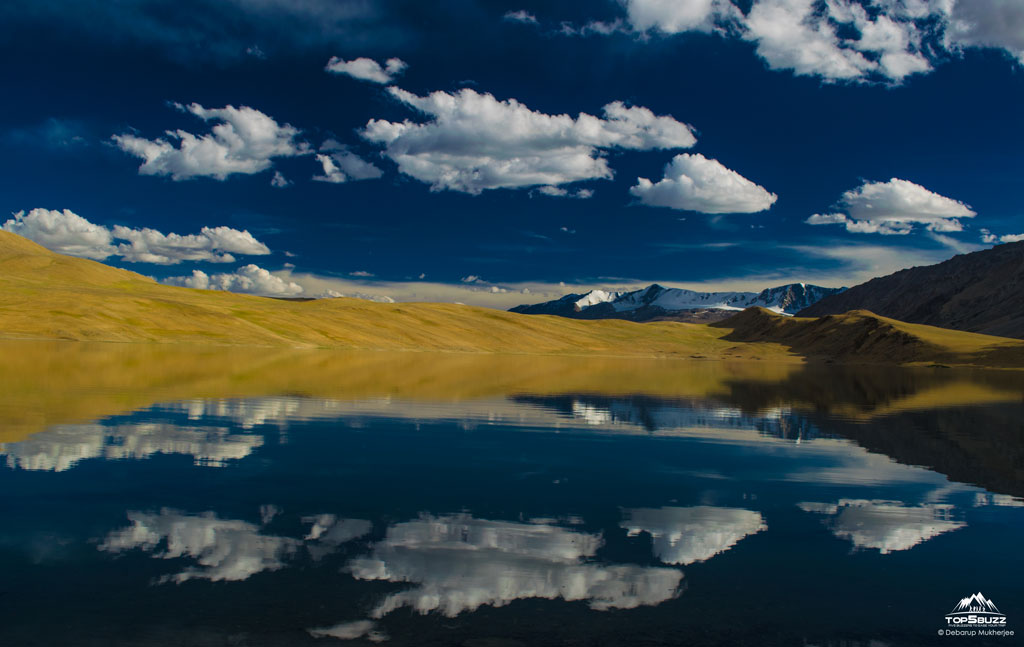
x=158, y=497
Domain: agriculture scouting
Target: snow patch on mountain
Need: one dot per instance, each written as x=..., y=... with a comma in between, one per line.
x=595, y=297
x=656, y=299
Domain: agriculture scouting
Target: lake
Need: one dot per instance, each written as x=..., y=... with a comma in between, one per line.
x=157, y=495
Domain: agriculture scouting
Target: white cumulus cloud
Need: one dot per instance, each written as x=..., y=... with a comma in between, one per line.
x=367, y=69
x=791, y=34
x=248, y=279
x=826, y=219
x=213, y=244
x=474, y=142
x=674, y=16
x=895, y=207
x=996, y=24
x=334, y=294
x=559, y=192
x=66, y=232
x=844, y=40
x=243, y=140
x=696, y=183
x=332, y=173
x=990, y=238
x=340, y=165
x=521, y=15
x=279, y=181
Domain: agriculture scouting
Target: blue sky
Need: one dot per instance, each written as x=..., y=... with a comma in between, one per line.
x=270, y=146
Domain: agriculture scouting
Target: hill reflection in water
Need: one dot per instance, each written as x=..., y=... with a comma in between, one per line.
x=445, y=499
x=964, y=423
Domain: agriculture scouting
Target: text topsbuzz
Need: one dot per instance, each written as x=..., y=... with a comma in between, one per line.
x=975, y=615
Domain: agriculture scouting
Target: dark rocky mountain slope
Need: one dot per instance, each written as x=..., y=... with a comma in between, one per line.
x=978, y=292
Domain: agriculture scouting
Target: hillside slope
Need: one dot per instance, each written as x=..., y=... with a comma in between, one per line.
x=860, y=336
x=979, y=292
x=44, y=295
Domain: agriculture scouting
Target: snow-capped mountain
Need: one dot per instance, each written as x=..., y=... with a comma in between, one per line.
x=655, y=301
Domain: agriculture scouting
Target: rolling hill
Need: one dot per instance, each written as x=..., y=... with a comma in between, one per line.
x=44, y=295
x=859, y=336
x=979, y=292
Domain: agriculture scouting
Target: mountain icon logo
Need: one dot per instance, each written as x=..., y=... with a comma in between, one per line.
x=976, y=611
x=976, y=603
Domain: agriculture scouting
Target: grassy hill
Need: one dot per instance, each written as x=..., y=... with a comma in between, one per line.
x=44, y=295
x=862, y=336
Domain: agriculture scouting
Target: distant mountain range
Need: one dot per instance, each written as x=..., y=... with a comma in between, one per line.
x=977, y=292
x=657, y=303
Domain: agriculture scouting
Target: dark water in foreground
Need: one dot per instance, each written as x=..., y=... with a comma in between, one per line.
x=788, y=507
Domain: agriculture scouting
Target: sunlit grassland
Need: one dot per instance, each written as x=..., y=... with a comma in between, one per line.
x=44, y=295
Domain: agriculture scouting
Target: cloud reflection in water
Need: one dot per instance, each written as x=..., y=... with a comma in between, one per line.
x=61, y=447
x=687, y=535
x=224, y=549
x=461, y=563
x=887, y=526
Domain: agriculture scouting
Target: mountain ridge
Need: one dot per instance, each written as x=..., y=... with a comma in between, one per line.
x=980, y=292
x=655, y=303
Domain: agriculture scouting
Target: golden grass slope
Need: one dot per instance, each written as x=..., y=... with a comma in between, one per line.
x=44, y=295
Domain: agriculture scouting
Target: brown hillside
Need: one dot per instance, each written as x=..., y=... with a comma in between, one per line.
x=980, y=292
x=864, y=337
